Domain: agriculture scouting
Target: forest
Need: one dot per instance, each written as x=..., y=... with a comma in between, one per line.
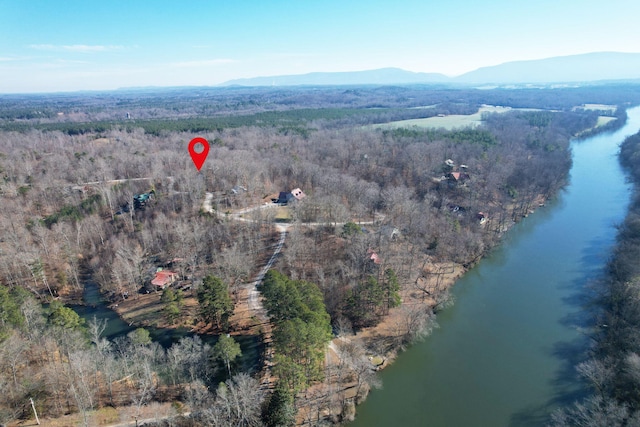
x=99, y=188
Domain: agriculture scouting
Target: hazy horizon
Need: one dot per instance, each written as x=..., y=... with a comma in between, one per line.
x=60, y=46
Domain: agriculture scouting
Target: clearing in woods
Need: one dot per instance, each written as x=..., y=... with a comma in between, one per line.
x=453, y=121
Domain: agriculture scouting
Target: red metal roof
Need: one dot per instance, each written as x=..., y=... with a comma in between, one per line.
x=373, y=256
x=163, y=278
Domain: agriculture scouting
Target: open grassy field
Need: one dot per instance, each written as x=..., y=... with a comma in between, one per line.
x=599, y=107
x=603, y=120
x=283, y=214
x=448, y=122
x=456, y=121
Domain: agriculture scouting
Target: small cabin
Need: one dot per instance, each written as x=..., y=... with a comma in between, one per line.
x=285, y=197
x=163, y=278
x=373, y=256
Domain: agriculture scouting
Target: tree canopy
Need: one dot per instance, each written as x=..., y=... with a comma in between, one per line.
x=215, y=302
x=10, y=315
x=227, y=350
x=64, y=317
x=302, y=328
x=370, y=299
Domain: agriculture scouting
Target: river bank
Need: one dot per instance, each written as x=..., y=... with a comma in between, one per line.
x=610, y=371
x=424, y=292
x=427, y=293
x=506, y=351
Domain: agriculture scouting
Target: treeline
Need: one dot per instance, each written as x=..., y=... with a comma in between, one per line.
x=302, y=330
x=620, y=115
x=613, y=371
x=298, y=119
x=188, y=103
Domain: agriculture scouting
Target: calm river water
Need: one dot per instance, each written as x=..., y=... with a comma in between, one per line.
x=504, y=353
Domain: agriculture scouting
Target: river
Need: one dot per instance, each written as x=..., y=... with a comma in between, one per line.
x=504, y=354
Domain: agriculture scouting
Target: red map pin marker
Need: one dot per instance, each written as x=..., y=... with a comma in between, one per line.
x=198, y=158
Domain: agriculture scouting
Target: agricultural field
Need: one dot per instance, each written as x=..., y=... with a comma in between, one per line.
x=599, y=107
x=448, y=122
x=458, y=121
x=603, y=120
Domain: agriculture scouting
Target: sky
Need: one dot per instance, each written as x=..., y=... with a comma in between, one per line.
x=69, y=45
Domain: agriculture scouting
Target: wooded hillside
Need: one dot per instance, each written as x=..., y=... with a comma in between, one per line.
x=386, y=214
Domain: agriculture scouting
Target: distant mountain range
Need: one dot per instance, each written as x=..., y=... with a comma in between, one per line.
x=587, y=67
x=381, y=76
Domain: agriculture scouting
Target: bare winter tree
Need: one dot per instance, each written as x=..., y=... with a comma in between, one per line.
x=241, y=399
x=354, y=355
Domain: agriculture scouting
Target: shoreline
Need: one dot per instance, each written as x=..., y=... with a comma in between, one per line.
x=351, y=392
x=145, y=310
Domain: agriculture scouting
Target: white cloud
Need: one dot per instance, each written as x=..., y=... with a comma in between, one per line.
x=202, y=63
x=80, y=48
x=11, y=58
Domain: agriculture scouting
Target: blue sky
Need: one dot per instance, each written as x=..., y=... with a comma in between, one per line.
x=63, y=45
